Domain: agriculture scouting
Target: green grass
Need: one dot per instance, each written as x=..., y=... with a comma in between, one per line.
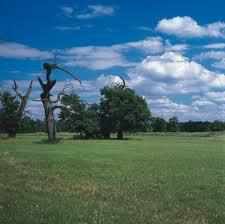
x=145, y=179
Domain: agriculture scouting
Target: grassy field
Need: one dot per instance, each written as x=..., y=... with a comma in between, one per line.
x=145, y=179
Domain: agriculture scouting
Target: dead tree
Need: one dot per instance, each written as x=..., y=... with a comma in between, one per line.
x=23, y=98
x=49, y=104
x=121, y=84
x=21, y=109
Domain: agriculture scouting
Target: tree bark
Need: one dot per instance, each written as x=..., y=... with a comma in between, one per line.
x=12, y=132
x=120, y=134
x=46, y=101
x=50, y=120
x=23, y=98
x=106, y=135
x=22, y=106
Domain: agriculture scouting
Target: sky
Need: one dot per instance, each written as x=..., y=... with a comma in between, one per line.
x=171, y=52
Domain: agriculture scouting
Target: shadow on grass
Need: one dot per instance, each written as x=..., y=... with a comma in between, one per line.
x=46, y=141
x=78, y=137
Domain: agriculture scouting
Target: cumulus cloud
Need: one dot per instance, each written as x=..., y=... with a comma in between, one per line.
x=216, y=96
x=172, y=73
x=186, y=27
x=103, y=57
x=95, y=58
x=96, y=11
x=20, y=51
x=218, y=56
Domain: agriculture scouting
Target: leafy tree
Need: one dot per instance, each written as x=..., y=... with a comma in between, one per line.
x=217, y=126
x=196, y=126
x=173, y=125
x=159, y=124
x=29, y=125
x=26, y=124
x=122, y=110
x=91, y=123
x=72, y=112
x=40, y=126
x=76, y=116
x=9, y=117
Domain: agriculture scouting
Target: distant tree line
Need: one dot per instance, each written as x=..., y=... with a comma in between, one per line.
x=159, y=124
x=89, y=125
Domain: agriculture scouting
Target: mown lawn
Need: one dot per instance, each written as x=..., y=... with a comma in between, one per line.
x=145, y=179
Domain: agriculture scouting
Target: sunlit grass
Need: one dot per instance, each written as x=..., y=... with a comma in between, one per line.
x=145, y=179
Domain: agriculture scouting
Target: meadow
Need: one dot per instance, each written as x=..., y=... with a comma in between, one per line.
x=146, y=178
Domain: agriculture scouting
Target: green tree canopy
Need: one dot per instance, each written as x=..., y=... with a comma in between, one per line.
x=173, y=125
x=77, y=116
x=159, y=124
x=122, y=110
x=9, y=117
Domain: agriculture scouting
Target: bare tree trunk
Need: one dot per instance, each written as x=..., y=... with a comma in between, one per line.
x=23, y=98
x=50, y=120
x=23, y=103
x=46, y=101
x=12, y=132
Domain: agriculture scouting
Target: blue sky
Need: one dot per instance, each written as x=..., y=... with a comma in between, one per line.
x=171, y=52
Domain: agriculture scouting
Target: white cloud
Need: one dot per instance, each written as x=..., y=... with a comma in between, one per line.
x=200, y=109
x=95, y=58
x=96, y=11
x=103, y=57
x=186, y=27
x=219, y=64
x=217, y=55
x=172, y=73
x=167, y=108
x=214, y=46
x=67, y=10
x=216, y=96
x=20, y=51
x=175, y=47
x=203, y=103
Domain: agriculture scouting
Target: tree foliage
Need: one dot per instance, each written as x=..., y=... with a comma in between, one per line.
x=77, y=116
x=9, y=117
x=159, y=124
x=29, y=125
x=122, y=110
x=173, y=125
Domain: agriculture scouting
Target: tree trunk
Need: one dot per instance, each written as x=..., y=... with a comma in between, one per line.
x=120, y=134
x=106, y=135
x=12, y=132
x=23, y=103
x=50, y=120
